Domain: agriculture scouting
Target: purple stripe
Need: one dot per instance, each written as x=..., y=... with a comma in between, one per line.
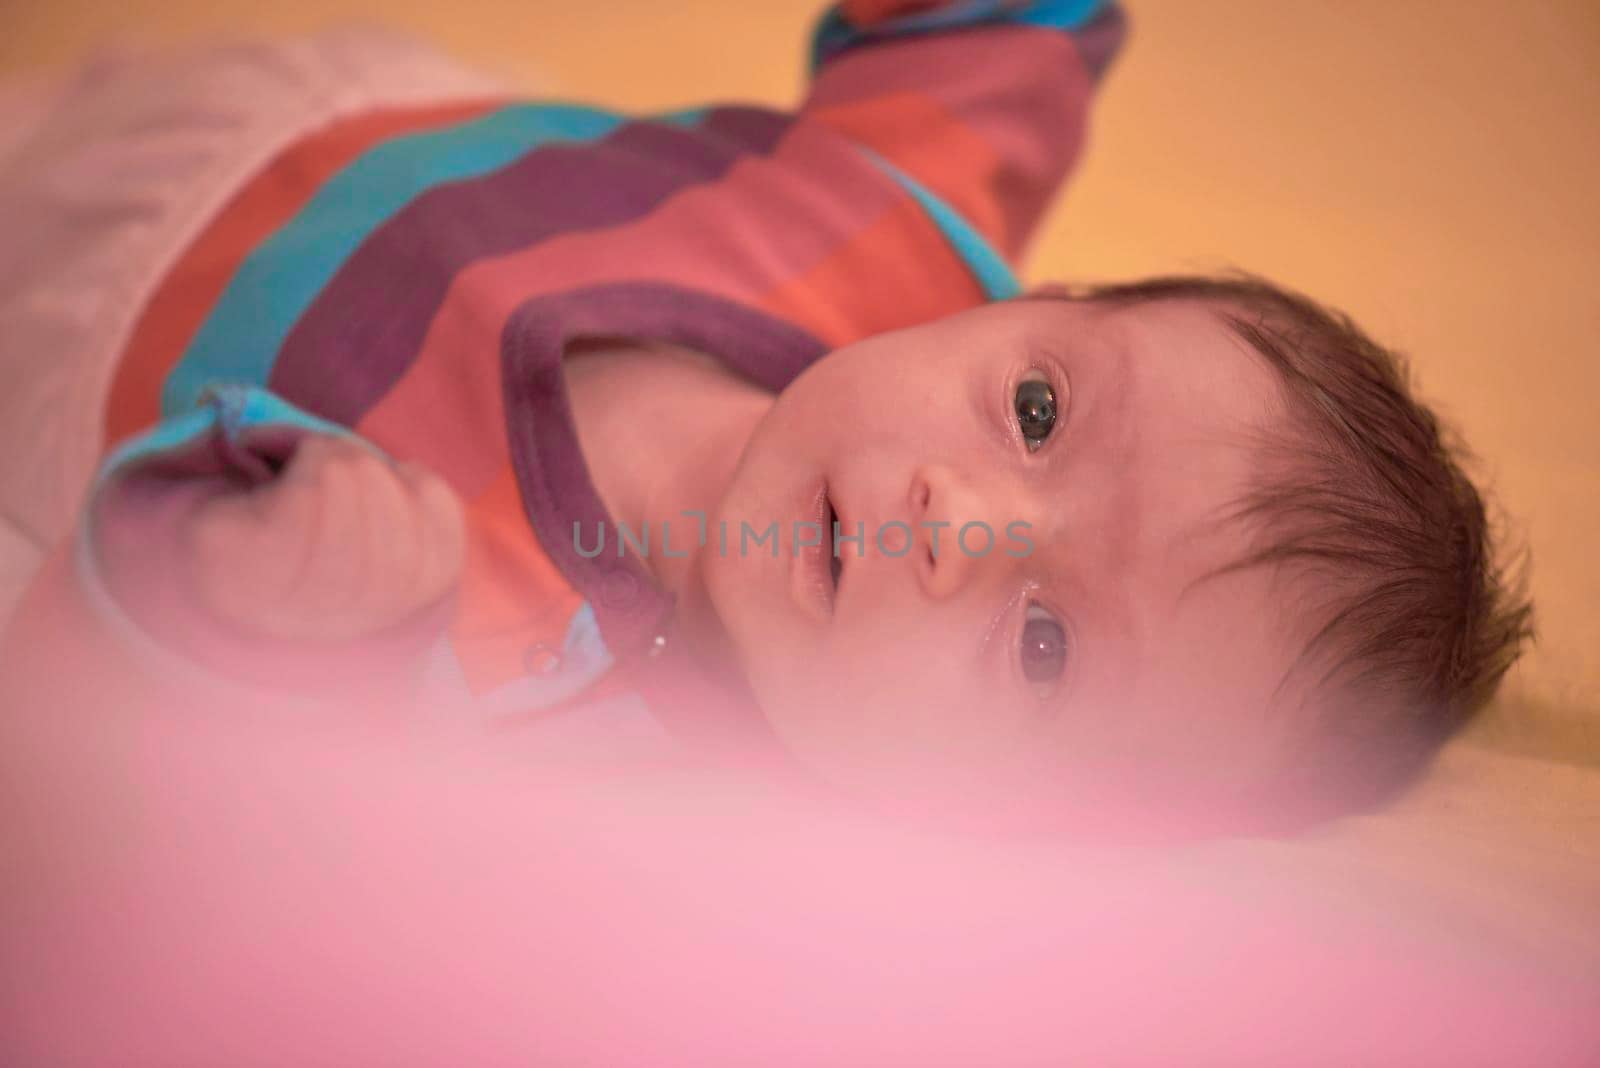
x=1101, y=39
x=365, y=328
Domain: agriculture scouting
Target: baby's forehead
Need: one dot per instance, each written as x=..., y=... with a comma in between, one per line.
x=1180, y=371
x=1192, y=343
x=1202, y=330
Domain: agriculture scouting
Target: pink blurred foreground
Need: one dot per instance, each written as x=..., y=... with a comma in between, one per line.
x=205, y=889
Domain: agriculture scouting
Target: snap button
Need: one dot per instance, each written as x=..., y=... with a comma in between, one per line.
x=540, y=659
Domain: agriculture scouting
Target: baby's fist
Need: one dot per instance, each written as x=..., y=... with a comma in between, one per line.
x=344, y=543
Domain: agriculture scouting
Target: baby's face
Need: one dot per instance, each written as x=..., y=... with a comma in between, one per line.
x=1086, y=638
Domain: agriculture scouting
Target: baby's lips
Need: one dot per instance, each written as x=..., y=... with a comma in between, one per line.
x=810, y=572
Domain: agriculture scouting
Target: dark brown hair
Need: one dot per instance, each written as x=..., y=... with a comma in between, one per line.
x=1413, y=620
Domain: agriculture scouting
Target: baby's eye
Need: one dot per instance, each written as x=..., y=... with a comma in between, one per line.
x=1035, y=404
x=1044, y=646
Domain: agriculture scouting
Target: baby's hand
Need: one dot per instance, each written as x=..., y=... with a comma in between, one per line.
x=342, y=544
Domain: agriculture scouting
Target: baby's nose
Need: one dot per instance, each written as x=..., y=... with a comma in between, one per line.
x=953, y=530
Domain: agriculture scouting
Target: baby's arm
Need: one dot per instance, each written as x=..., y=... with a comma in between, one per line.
x=983, y=102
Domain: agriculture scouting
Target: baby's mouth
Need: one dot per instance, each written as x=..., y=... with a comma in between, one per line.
x=814, y=574
x=835, y=561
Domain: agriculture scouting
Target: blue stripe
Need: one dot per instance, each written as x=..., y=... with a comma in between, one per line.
x=987, y=266
x=231, y=408
x=277, y=282
x=834, y=34
x=1058, y=14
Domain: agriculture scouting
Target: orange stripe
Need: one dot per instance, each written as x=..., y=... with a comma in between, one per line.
x=195, y=283
x=921, y=137
x=913, y=277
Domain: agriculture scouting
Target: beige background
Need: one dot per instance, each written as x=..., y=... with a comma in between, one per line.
x=1429, y=166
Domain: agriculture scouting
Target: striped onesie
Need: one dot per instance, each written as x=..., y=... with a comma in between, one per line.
x=409, y=270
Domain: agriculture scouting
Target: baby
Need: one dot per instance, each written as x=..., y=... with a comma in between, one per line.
x=507, y=409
